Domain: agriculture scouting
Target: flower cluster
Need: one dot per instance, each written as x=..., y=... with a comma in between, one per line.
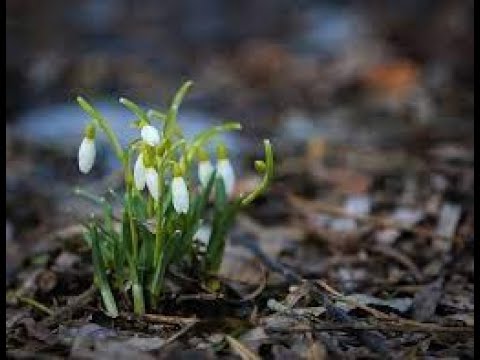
x=172, y=189
x=144, y=170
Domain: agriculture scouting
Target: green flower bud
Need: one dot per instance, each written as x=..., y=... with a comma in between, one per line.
x=90, y=131
x=202, y=155
x=222, y=152
x=260, y=166
x=178, y=170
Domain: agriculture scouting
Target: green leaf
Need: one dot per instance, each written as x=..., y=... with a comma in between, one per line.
x=101, y=277
x=87, y=236
x=200, y=139
x=223, y=220
x=145, y=265
x=142, y=265
x=220, y=194
x=126, y=240
x=139, y=206
x=201, y=201
x=157, y=115
x=141, y=114
x=163, y=263
x=171, y=119
x=88, y=108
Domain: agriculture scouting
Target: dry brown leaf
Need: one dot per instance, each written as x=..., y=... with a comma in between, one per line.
x=316, y=350
x=242, y=268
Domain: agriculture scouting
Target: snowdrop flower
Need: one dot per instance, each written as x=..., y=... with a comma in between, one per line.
x=139, y=176
x=225, y=170
x=150, y=135
x=151, y=179
x=86, y=152
x=202, y=235
x=205, y=168
x=201, y=240
x=179, y=192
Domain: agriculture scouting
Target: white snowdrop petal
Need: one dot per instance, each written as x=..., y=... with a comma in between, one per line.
x=151, y=178
x=180, y=195
x=205, y=170
x=86, y=155
x=150, y=135
x=139, y=173
x=225, y=171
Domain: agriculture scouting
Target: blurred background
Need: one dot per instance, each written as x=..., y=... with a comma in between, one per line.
x=370, y=74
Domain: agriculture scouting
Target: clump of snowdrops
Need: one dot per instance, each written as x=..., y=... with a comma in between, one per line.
x=173, y=187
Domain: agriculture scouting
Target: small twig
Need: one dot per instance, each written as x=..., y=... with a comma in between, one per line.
x=296, y=312
x=180, y=333
x=179, y=321
x=432, y=328
x=376, y=313
x=170, y=320
x=35, y=304
x=240, y=349
x=200, y=296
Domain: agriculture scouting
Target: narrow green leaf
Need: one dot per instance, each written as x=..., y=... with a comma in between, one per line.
x=141, y=114
x=171, y=119
x=157, y=115
x=220, y=194
x=101, y=277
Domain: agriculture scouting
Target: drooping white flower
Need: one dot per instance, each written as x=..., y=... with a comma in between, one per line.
x=201, y=239
x=202, y=235
x=86, y=155
x=225, y=171
x=139, y=173
x=205, y=170
x=151, y=178
x=150, y=135
x=180, y=195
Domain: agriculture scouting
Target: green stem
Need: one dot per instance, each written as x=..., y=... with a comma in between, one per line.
x=100, y=277
x=157, y=281
x=171, y=118
x=137, y=289
x=267, y=177
x=138, y=300
x=150, y=206
x=103, y=124
x=129, y=189
x=159, y=213
x=158, y=252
